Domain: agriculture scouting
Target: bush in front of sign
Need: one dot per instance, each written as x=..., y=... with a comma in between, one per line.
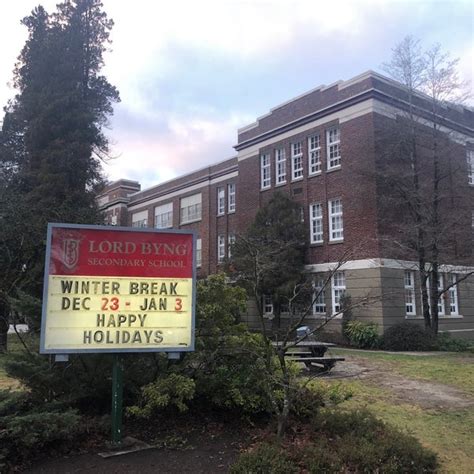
x=26, y=429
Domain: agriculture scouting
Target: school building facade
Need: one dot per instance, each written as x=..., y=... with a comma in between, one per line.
x=323, y=149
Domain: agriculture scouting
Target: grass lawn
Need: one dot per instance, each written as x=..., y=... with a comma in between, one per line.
x=449, y=432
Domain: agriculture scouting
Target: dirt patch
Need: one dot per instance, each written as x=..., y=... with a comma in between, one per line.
x=209, y=448
x=404, y=389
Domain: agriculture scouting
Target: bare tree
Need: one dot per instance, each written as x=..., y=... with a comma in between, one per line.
x=421, y=169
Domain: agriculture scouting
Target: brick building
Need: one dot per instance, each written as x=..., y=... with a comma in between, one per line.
x=324, y=148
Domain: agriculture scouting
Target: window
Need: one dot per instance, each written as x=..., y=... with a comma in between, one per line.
x=442, y=296
x=231, y=197
x=267, y=304
x=220, y=201
x=453, y=296
x=333, y=139
x=198, y=252
x=191, y=208
x=338, y=288
x=336, y=229
x=316, y=223
x=220, y=248
x=164, y=216
x=265, y=171
x=410, y=306
x=319, y=304
x=314, y=154
x=280, y=164
x=470, y=166
x=230, y=243
x=140, y=219
x=296, y=160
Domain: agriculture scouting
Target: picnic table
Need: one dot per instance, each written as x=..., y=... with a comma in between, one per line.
x=312, y=354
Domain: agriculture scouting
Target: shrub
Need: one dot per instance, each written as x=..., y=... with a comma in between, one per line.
x=264, y=459
x=26, y=430
x=445, y=342
x=408, y=337
x=362, y=334
x=365, y=444
x=310, y=396
x=173, y=390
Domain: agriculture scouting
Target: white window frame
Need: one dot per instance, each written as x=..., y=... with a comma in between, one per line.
x=164, y=216
x=319, y=303
x=231, y=198
x=453, y=296
x=333, y=148
x=265, y=171
x=230, y=242
x=296, y=161
x=267, y=304
x=470, y=166
x=190, y=208
x=314, y=155
x=280, y=166
x=220, y=248
x=198, y=253
x=336, y=222
x=441, y=296
x=140, y=219
x=316, y=223
x=410, y=298
x=338, y=290
x=220, y=201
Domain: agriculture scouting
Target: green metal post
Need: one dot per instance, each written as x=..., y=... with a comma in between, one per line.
x=117, y=397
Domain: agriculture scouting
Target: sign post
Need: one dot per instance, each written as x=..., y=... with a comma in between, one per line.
x=117, y=289
x=117, y=397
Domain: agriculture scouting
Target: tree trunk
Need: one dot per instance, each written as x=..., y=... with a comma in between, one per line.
x=4, y=325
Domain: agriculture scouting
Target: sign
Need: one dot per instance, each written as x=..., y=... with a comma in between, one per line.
x=114, y=289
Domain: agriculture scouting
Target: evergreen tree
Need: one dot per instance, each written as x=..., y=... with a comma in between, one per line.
x=269, y=258
x=52, y=141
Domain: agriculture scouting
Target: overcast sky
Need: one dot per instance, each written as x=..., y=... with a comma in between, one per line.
x=191, y=72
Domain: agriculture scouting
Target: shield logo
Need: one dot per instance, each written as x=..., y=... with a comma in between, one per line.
x=70, y=254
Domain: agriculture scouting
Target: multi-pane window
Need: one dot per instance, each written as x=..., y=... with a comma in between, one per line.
x=296, y=160
x=319, y=303
x=190, y=208
x=231, y=197
x=230, y=243
x=280, y=164
x=140, y=219
x=314, y=154
x=316, y=223
x=410, y=305
x=198, y=252
x=441, y=296
x=267, y=304
x=336, y=228
x=470, y=166
x=265, y=171
x=333, y=141
x=164, y=216
x=338, y=289
x=453, y=296
x=220, y=201
x=220, y=248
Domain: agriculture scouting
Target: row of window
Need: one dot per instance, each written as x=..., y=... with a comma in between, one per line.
x=447, y=300
x=221, y=247
x=338, y=289
x=333, y=156
x=190, y=211
x=230, y=199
